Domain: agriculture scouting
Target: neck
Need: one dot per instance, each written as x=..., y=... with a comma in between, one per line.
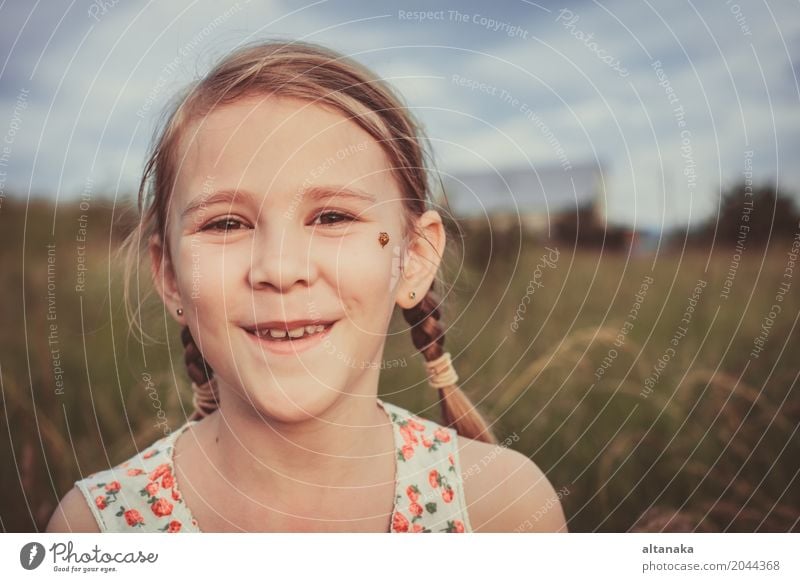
x=338, y=448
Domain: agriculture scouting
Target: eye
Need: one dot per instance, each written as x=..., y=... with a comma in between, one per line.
x=226, y=224
x=341, y=216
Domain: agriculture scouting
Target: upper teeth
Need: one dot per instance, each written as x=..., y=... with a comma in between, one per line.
x=293, y=333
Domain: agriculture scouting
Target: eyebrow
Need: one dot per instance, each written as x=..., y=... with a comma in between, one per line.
x=314, y=193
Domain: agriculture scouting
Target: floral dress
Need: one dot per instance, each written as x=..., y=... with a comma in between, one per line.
x=141, y=494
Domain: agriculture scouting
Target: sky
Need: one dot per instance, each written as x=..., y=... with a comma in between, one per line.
x=675, y=100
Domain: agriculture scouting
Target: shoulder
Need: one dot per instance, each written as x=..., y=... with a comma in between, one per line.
x=115, y=499
x=507, y=492
x=73, y=515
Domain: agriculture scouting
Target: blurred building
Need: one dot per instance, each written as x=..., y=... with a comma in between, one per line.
x=531, y=198
x=567, y=206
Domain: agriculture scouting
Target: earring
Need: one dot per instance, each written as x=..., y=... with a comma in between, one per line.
x=179, y=311
x=413, y=294
x=383, y=238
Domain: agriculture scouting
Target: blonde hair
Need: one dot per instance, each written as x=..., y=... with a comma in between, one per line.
x=312, y=73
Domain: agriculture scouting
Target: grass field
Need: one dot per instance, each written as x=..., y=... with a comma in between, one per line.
x=634, y=420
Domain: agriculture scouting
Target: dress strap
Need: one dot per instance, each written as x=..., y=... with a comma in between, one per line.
x=429, y=493
x=139, y=494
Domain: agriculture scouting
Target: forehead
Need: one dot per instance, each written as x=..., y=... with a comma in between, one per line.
x=279, y=145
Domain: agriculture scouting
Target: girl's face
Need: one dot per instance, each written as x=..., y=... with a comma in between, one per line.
x=274, y=225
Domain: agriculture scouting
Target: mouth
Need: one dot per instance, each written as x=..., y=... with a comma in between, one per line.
x=289, y=337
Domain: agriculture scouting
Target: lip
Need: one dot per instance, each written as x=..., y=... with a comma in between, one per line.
x=291, y=347
x=286, y=325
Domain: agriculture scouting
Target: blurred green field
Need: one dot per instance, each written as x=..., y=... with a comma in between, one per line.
x=714, y=445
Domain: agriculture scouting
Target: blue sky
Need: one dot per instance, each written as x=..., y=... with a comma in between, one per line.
x=495, y=84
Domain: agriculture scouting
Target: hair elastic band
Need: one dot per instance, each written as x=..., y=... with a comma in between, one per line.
x=441, y=372
x=203, y=398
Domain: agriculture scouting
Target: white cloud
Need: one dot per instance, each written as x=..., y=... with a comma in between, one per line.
x=587, y=105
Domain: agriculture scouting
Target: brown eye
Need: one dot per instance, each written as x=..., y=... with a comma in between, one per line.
x=334, y=218
x=224, y=225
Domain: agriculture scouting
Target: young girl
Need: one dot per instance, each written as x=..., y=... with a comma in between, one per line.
x=288, y=216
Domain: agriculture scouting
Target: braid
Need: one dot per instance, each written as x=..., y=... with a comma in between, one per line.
x=204, y=388
x=428, y=337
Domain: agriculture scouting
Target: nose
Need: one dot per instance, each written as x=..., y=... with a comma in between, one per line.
x=281, y=257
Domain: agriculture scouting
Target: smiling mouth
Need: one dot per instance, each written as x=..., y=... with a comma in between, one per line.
x=294, y=335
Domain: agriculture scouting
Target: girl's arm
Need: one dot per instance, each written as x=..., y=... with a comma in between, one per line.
x=72, y=515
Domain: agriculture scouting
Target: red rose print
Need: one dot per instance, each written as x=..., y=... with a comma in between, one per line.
x=159, y=471
x=151, y=488
x=175, y=495
x=100, y=502
x=133, y=517
x=113, y=487
x=447, y=494
x=412, y=492
x=442, y=435
x=167, y=481
x=161, y=507
x=459, y=526
x=399, y=523
x=408, y=452
x=134, y=472
x=408, y=436
x=149, y=454
x=417, y=528
x=427, y=442
x=174, y=526
x=415, y=425
x=433, y=478
x=451, y=459
x=415, y=509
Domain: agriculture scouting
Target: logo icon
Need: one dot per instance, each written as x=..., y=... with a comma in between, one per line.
x=31, y=555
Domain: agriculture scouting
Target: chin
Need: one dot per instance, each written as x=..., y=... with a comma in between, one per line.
x=288, y=402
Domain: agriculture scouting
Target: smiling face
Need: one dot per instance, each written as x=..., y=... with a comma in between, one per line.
x=275, y=222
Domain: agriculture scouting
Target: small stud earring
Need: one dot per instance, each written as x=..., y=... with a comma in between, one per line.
x=179, y=311
x=413, y=294
x=383, y=238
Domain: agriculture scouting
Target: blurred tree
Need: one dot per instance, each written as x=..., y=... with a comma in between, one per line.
x=581, y=228
x=750, y=215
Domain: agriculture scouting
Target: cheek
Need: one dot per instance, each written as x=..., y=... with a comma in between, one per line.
x=204, y=274
x=365, y=275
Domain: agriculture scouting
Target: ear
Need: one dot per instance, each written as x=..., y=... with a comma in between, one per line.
x=164, y=278
x=422, y=259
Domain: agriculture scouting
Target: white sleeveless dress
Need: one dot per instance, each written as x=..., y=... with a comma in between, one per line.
x=141, y=495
